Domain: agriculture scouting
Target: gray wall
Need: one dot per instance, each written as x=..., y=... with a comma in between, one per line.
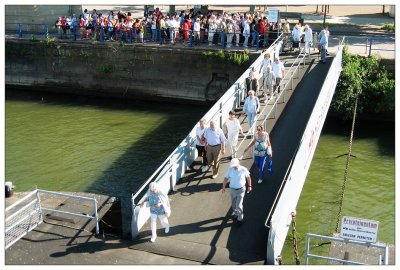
x=39, y=14
x=122, y=71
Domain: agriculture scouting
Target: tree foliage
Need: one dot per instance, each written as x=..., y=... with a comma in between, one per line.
x=366, y=77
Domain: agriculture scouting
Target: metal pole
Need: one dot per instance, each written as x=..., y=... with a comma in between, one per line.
x=237, y=96
x=370, y=47
x=171, y=178
x=39, y=206
x=223, y=39
x=366, y=46
x=20, y=30
x=258, y=41
x=386, y=258
x=307, y=249
x=96, y=216
x=130, y=36
x=220, y=112
x=102, y=34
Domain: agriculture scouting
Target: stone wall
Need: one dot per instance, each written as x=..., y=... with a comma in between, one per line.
x=119, y=70
x=38, y=14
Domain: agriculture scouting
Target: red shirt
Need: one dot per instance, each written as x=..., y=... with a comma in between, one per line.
x=261, y=27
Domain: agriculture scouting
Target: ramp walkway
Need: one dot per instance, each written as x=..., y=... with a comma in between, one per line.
x=201, y=226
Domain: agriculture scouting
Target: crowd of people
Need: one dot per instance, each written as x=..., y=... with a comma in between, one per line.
x=236, y=29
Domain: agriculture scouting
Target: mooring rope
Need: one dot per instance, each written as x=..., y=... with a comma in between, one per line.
x=294, y=233
x=347, y=168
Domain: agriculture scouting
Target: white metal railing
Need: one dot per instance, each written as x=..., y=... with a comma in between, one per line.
x=26, y=217
x=381, y=260
x=278, y=219
x=174, y=166
x=27, y=213
x=283, y=85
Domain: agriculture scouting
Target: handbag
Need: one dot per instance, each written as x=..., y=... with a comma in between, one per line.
x=269, y=169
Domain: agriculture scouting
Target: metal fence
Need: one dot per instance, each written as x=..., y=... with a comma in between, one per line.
x=381, y=260
x=131, y=35
x=28, y=212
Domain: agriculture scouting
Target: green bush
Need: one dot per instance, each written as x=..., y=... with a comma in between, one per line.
x=238, y=58
x=106, y=68
x=368, y=78
x=389, y=27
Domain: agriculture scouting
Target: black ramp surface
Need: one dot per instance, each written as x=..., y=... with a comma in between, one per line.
x=201, y=228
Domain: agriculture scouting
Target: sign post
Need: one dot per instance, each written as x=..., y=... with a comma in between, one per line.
x=358, y=229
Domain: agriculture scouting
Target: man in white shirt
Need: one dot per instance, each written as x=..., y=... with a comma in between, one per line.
x=200, y=143
x=237, y=176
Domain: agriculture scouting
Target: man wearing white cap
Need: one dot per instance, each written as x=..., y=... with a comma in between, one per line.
x=237, y=176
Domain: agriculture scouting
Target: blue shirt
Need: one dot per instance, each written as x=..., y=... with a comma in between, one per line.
x=251, y=105
x=154, y=199
x=214, y=137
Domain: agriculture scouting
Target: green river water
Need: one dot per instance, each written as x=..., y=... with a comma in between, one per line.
x=369, y=191
x=64, y=143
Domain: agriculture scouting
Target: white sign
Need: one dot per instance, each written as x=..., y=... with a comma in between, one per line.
x=273, y=14
x=358, y=229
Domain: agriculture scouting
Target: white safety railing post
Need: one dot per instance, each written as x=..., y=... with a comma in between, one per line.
x=39, y=205
x=96, y=215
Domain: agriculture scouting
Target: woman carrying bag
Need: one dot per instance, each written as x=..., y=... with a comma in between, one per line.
x=262, y=151
x=159, y=207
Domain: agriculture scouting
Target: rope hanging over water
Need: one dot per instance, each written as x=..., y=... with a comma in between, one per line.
x=347, y=168
x=295, y=242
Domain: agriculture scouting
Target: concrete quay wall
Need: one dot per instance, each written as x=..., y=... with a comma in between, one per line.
x=119, y=71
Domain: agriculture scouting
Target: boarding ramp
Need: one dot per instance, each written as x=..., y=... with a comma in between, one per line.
x=177, y=163
x=201, y=226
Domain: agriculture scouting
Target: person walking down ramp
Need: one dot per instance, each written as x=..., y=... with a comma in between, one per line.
x=215, y=146
x=159, y=207
x=200, y=143
x=237, y=176
x=233, y=128
x=262, y=151
x=251, y=107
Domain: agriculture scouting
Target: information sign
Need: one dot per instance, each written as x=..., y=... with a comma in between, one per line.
x=358, y=229
x=273, y=15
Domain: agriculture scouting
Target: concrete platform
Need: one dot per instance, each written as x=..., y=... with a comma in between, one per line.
x=357, y=253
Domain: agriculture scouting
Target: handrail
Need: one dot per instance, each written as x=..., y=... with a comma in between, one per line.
x=280, y=189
